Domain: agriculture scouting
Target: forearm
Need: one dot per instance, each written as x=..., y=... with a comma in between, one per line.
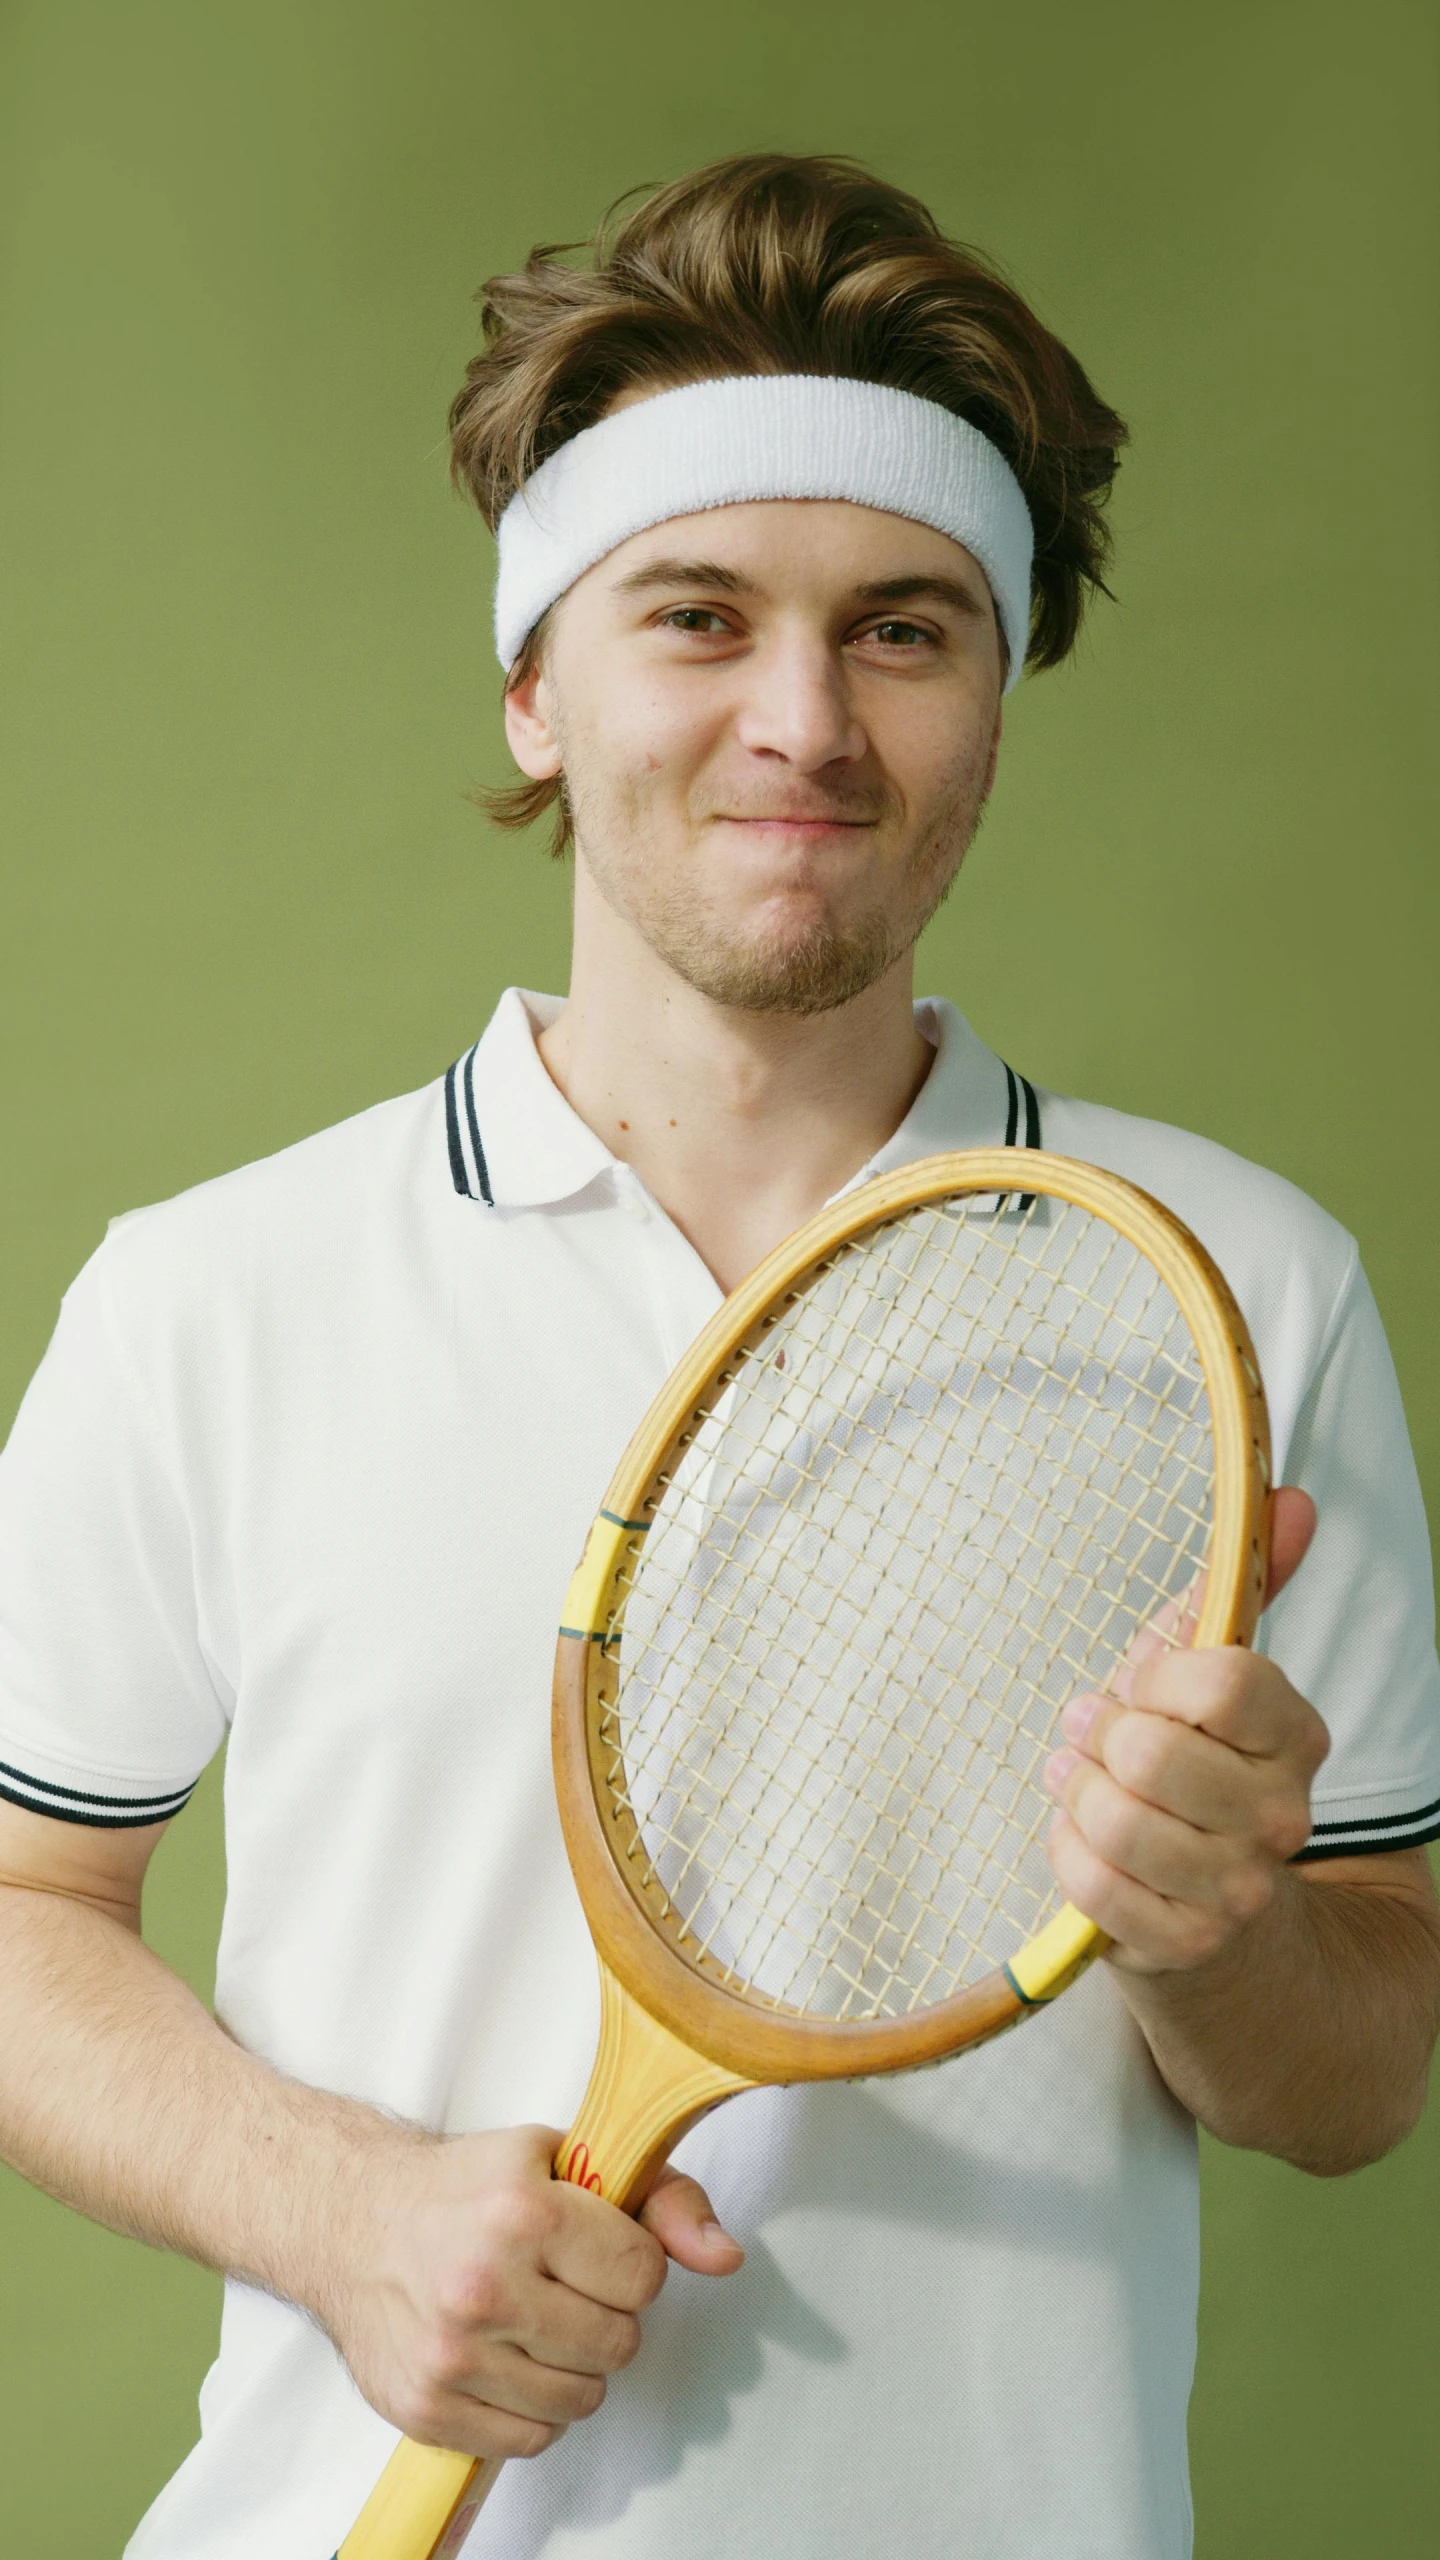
x=120, y=2095
x=1309, y=2035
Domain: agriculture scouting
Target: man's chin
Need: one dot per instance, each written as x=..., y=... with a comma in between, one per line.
x=812, y=973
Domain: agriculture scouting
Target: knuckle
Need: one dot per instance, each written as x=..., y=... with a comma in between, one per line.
x=1229, y=1676
x=521, y=2215
x=650, y=2278
x=1284, y=1830
x=1176, y=1678
x=449, y=2361
x=1220, y=1670
x=522, y=2438
x=419, y=2411
x=640, y=2270
x=1244, y=1892
x=1113, y=1829
x=1201, y=1935
x=1141, y=1751
x=1076, y=1866
x=478, y=2298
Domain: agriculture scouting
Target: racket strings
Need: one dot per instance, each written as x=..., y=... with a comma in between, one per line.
x=872, y=1897
x=942, y=1493
x=1119, y=1415
x=879, y=1904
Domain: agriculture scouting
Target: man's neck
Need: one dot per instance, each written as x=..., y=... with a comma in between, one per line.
x=740, y=1125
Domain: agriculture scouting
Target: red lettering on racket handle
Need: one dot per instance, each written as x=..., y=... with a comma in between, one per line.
x=578, y=2172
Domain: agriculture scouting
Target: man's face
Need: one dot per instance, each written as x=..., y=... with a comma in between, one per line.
x=777, y=724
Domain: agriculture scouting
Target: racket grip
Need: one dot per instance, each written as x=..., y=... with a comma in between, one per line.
x=422, y=2506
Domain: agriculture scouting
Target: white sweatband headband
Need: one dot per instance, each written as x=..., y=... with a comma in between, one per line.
x=762, y=435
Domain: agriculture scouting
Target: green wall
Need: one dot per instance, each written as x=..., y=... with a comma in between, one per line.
x=247, y=684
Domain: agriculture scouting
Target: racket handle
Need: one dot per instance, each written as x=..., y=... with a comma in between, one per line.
x=422, y=2506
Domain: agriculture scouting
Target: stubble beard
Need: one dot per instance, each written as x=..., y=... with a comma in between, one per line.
x=814, y=971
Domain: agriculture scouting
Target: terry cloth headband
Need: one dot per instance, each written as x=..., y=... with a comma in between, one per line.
x=762, y=435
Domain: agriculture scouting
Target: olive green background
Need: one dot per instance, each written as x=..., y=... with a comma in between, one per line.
x=247, y=684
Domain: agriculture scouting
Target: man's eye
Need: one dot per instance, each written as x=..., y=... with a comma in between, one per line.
x=696, y=618
x=897, y=635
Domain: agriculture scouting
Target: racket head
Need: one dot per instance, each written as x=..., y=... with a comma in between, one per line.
x=763, y=1730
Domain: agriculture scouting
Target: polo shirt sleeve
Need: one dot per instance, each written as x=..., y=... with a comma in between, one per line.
x=109, y=1708
x=1355, y=1628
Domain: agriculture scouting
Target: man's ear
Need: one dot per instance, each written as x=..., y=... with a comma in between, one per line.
x=533, y=742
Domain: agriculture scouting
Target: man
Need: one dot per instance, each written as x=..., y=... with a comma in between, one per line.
x=314, y=1449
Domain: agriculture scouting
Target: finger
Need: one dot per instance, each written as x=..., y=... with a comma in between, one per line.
x=1172, y=1766
x=597, y=2251
x=562, y=2328
x=1172, y=1625
x=1292, y=1526
x=505, y=2377
x=1176, y=1621
x=1227, y=1870
x=459, y=2424
x=1147, y=1642
x=684, y=2221
x=510, y=2299
x=1239, y=1698
x=1150, y=1933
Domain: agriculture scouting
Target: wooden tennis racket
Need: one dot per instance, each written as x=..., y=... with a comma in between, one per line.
x=924, y=1477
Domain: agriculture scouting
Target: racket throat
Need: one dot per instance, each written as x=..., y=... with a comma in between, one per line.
x=647, y=2088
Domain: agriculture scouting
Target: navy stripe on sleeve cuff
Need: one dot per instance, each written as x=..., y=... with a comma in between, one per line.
x=73, y=1804
x=1358, y=1837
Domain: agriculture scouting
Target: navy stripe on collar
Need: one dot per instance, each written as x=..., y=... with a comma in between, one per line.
x=1019, y=1089
x=469, y=1173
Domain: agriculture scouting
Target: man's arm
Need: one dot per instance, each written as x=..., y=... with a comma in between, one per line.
x=1309, y=2035
x=479, y=2303
x=1292, y=2009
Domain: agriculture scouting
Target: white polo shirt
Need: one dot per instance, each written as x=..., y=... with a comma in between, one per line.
x=309, y=1462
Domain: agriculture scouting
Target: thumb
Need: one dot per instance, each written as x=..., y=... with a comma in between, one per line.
x=684, y=2221
x=1292, y=1526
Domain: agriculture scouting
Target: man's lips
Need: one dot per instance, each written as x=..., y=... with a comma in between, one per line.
x=794, y=821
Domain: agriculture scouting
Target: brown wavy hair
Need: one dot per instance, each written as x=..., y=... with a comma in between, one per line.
x=768, y=263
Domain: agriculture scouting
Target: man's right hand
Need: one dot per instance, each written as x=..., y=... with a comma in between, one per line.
x=487, y=2301
x=479, y=2303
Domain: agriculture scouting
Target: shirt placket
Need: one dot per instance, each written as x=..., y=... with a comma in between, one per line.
x=683, y=1294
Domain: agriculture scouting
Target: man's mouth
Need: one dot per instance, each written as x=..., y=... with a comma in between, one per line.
x=796, y=821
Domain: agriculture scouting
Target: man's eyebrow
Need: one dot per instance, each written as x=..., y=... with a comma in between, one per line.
x=712, y=575
x=683, y=573
x=921, y=590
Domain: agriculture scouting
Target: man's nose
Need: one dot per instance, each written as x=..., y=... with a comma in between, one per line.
x=799, y=708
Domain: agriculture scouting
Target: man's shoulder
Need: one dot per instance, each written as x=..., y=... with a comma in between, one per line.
x=312, y=1204
x=1287, y=1260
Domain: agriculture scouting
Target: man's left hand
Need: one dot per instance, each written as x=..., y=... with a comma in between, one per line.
x=1186, y=1791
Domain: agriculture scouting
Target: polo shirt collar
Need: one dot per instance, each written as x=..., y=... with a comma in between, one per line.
x=514, y=1142
x=965, y=1101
